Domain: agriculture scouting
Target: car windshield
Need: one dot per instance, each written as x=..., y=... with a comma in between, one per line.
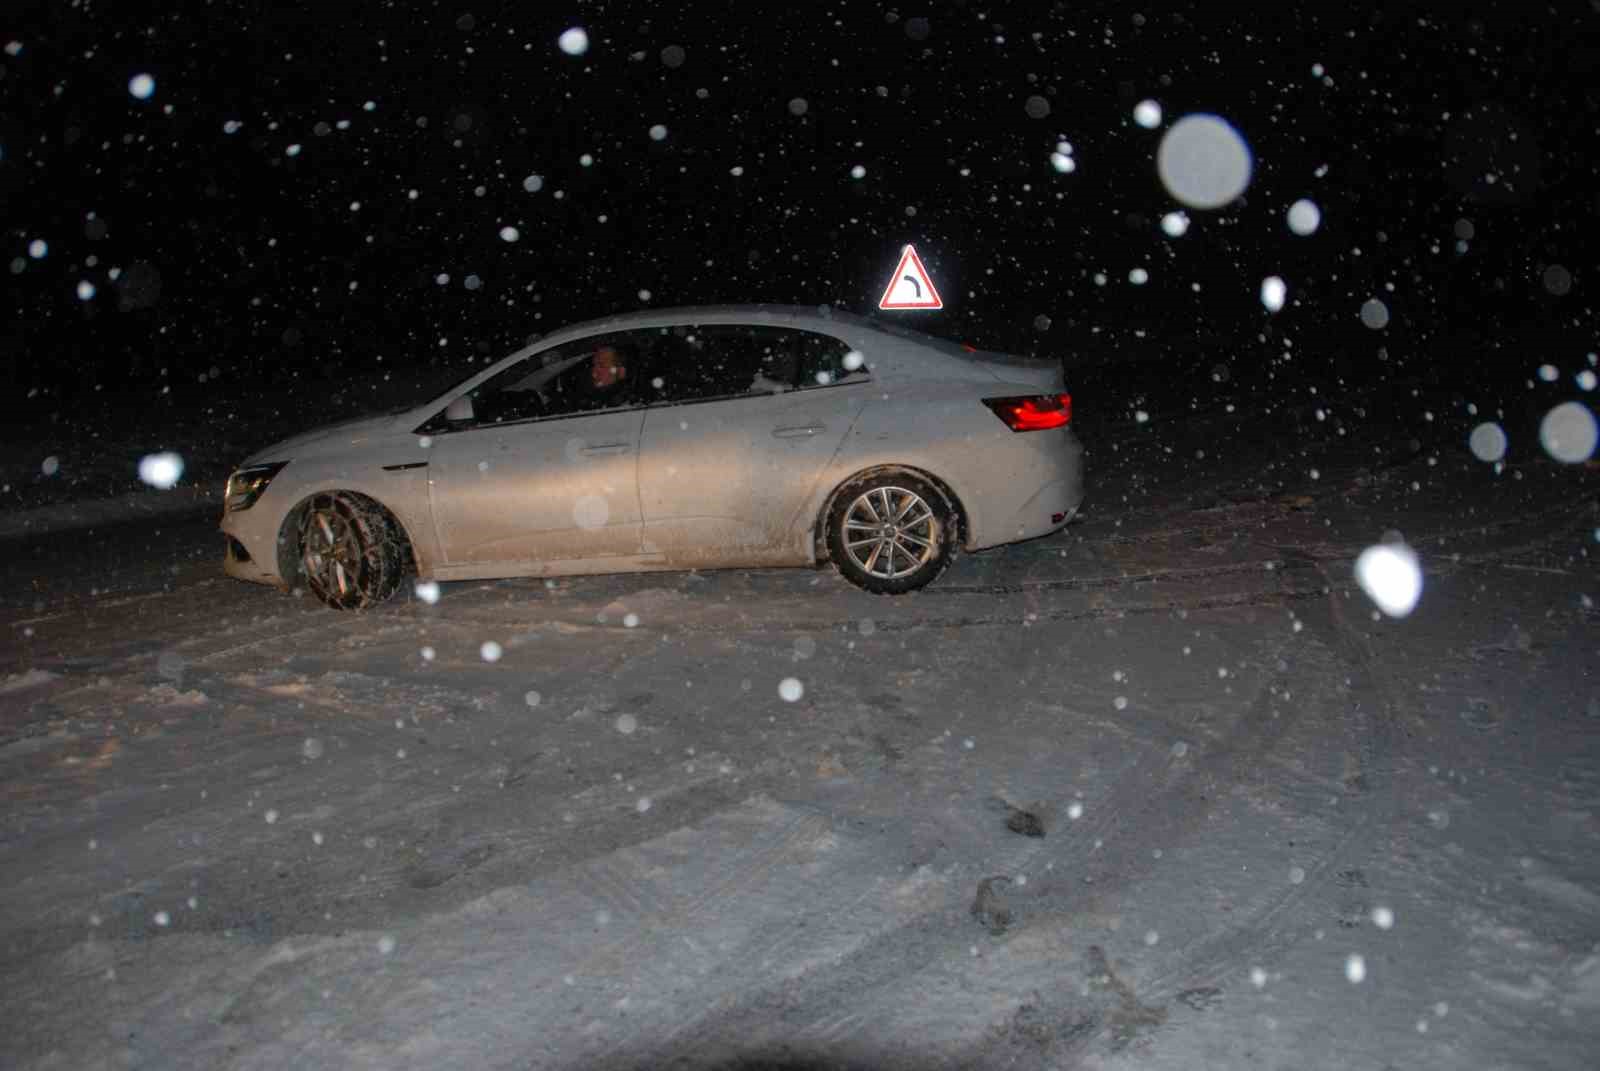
x=442, y=383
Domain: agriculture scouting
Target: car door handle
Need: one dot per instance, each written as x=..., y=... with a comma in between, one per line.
x=798, y=431
x=606, y=448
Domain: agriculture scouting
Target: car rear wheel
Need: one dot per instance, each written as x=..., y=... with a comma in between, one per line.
x=892, y=532
x=351, y=550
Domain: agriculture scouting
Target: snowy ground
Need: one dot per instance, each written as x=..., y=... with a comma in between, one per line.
x=244, y=831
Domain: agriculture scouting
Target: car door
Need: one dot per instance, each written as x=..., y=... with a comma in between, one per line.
x=743, y=421
x=546, y=467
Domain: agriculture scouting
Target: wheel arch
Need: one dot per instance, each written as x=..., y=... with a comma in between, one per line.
x=819, y=533
x=288, y=548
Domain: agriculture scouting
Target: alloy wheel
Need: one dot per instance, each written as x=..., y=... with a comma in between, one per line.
x=890, y=532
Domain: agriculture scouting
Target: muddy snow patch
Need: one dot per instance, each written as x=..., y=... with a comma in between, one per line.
x=168, y=696
x=33, y=678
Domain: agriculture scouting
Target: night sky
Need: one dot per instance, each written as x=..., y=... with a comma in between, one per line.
x=287, y=200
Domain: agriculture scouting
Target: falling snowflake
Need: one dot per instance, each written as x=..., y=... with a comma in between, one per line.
x=1375, y=314
x=1391, y=576
x=1304, y=217
x=1273, y=292
x=1204, y=162
x=591, y=511
x=574, y=42
x=1568, y=433
x=1487, y=442
x=1557, y=280
x=161, y=470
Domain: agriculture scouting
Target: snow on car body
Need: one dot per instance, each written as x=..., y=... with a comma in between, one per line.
x=684, y=438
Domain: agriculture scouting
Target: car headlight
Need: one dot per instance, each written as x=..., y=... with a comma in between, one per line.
x=247, y=484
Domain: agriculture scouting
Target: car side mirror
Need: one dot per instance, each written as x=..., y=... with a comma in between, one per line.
x=459, y=410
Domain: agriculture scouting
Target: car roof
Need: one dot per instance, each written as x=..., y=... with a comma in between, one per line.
x=823, y=318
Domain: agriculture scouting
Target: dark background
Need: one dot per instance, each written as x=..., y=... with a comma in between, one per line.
x=237, y=257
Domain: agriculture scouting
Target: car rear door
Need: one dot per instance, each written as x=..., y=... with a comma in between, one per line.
x=743, y=421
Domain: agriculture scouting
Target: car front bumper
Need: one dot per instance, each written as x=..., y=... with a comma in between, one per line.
x=250, y=547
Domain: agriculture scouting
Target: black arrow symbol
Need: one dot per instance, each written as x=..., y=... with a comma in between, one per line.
x=914, y=283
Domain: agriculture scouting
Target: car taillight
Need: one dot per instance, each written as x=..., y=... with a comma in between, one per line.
x=1033, y=413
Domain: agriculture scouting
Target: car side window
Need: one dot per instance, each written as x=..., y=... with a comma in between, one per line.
x=718, y=361
x=580, y=377
x=824, y=361
x=697, y=364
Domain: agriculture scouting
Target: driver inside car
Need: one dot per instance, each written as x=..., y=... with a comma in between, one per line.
x=608, y=374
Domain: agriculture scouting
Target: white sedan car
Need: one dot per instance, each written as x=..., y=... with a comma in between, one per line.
x=679, y=439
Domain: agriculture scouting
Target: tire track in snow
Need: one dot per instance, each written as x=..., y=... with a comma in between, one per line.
x=1139, y=811
x=1278, y=924
x=840, y=1005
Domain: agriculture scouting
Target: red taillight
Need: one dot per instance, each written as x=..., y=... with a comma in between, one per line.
x=1037, y=412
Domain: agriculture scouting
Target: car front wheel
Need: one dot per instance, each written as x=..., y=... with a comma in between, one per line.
x=892, y=532
x=351, y=550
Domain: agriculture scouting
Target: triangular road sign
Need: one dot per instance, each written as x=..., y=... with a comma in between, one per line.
x=910, y=287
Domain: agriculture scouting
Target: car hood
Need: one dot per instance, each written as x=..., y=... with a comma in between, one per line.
x=330, y=437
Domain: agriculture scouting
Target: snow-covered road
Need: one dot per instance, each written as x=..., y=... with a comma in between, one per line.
x=1159, y=791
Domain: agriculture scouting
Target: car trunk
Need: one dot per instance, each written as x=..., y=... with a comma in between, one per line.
x=1042, y=372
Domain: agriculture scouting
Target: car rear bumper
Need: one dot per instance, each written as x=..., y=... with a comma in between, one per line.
x=1037, y=490
x=1050, y=509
